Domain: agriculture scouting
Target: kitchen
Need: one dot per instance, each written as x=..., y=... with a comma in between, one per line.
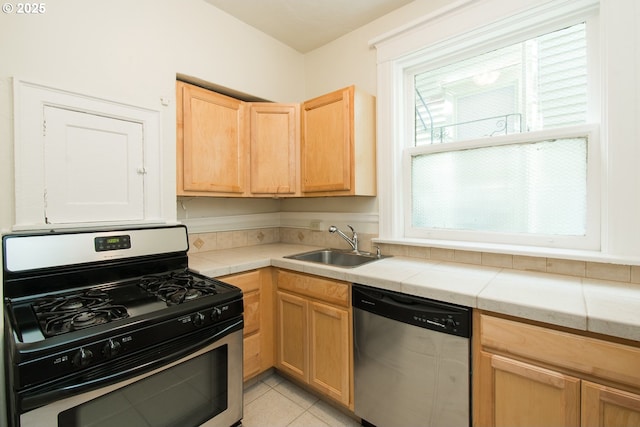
x=90, y=52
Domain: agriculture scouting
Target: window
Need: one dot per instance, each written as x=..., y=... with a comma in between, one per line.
x=496, y=132
x=537, y=186
x=489, y=127
x=532, y=189
x=536, y=84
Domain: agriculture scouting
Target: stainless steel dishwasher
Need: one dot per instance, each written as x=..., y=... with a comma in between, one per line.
x=412, y=360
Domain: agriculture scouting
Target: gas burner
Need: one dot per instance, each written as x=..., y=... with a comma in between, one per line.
x=73, y=302
x=61, y=314
x=177, y=287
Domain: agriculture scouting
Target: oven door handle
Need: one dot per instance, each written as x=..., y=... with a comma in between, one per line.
x=127, y=368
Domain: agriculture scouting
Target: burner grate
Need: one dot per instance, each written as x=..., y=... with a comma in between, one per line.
x=177, y=287
x=61, y=314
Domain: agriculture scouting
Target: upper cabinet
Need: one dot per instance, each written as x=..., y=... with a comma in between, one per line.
x=211, y=146
x=338, y=144
x=274, y=148
x=230, y=148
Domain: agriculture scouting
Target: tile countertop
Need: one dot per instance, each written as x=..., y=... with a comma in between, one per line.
x=606, y=307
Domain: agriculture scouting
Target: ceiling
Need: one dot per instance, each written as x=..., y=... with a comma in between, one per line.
x=305, y=25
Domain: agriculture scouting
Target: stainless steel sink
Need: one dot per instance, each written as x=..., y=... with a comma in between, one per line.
x=336, y=257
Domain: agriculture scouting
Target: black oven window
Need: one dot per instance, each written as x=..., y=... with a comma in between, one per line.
x=184, y=395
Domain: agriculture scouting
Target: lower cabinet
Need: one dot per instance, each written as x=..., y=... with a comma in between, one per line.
x=530, y=375
x=604, y=406
x=519, y=387
x=314, y=333
x=292, y=335
x=258, y=340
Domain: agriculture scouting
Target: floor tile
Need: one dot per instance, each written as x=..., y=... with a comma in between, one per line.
x=255, y=391
x=307, y=419
x=271, y=409
x=331, y=415
x=273, y=380
x=274, y=401
x=296, y=394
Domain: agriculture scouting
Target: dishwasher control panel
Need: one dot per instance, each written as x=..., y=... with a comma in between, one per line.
x=422, y=312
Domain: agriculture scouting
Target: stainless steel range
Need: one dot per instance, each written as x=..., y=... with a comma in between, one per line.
x=107, y=328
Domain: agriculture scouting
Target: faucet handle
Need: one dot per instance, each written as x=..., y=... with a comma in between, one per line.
x=352, y=230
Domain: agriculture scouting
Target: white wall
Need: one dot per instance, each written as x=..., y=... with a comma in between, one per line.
x=349, y=59
x=130, y=52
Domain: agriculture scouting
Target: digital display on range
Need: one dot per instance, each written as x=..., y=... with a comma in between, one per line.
x=112, y=243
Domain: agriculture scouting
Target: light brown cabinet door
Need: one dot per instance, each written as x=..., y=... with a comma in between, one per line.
x=329, y=350
x=251, y=303
x=292, y=337
x=213, y=147
x=274, y=142
x=327, y=142
x=609, y=407
x=517, y=394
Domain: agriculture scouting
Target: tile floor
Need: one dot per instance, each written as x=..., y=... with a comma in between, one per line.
x=274, y=401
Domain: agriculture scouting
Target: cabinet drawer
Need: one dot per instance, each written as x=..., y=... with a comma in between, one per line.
x=251, y=312
x=251, y=351
x=587, y=355
x=327, y=290
x=248, y=282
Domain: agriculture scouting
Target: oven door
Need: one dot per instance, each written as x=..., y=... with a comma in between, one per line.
x=203, y=388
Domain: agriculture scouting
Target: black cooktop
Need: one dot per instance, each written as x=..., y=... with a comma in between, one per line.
x=55, y=314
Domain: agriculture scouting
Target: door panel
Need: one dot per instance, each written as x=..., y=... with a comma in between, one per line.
x=609, y=407
x=94, y=168
x=214, y=148
x=274, y=148
x=292, y=354
x=330, y=344
x=526, y=395
x=327, y=143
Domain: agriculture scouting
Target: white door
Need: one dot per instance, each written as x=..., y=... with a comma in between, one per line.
x=94, y=169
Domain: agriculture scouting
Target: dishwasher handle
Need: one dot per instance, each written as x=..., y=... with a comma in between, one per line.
x=425, y=313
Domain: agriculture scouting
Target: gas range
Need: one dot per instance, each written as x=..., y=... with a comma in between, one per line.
x=96, y=304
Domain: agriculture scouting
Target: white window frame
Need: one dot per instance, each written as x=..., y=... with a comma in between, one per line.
x=619, y=114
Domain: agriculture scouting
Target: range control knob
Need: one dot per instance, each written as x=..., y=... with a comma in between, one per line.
x=111, y=348
x=216, y=314
x=82, y=358
x=450, y=323
x=198, y=319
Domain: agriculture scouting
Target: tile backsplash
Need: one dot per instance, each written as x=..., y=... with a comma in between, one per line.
x=592, y=270
x=201, y=242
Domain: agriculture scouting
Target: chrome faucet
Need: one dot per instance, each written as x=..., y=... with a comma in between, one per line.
x=353, y=241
